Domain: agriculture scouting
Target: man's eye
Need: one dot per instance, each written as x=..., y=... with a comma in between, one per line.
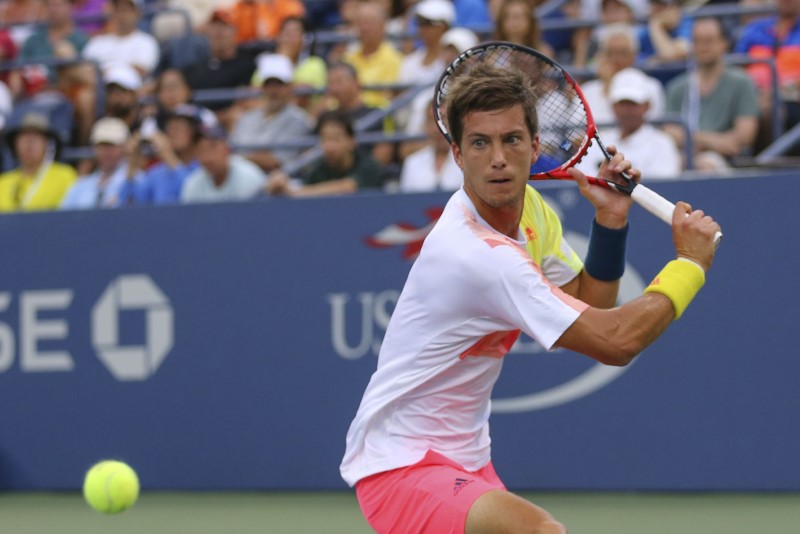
x=512, y=139
x=479, y=143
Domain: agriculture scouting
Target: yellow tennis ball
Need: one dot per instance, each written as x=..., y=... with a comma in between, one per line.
x=111, y=486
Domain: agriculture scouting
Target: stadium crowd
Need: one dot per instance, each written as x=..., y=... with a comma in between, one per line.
x=110, y=103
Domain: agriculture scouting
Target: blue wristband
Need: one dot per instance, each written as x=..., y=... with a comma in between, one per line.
x=605, y=259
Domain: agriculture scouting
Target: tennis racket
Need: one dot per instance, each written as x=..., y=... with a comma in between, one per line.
x=566, y=126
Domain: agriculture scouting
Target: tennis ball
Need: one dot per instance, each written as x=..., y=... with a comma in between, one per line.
x=111, y=486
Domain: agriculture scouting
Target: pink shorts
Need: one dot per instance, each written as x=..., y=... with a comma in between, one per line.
x=433, y=495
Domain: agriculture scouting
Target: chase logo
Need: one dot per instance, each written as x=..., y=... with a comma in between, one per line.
x=132, y=293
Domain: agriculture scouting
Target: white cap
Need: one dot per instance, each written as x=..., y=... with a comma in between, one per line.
x=630, y=84
x=123, y=75
x=109, y=130
x=437, y=11
x=275, y=66
x=461, y=39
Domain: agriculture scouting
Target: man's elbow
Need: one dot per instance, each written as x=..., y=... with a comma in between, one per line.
x=618, y=355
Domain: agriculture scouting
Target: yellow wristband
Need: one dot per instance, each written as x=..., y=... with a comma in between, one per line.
x=679, y=281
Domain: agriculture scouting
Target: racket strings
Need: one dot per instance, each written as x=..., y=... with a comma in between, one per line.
x=562, y=117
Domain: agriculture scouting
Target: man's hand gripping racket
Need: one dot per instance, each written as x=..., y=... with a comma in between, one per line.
x=566, y=126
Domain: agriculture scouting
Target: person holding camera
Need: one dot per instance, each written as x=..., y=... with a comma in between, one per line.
x=175, y=148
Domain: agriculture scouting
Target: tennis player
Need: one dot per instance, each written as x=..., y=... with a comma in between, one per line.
x=496, y=264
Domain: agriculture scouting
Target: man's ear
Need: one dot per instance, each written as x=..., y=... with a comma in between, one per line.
x=535, y=145
x=457, y=155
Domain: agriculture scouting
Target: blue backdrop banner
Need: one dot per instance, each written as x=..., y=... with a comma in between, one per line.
x=227, y=346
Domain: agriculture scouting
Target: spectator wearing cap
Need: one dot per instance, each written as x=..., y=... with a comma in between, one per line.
x=260, y=20
x=122, y=84
x=646, y=147
x=294, y=42
x=454, y=42
x=38, y=182
x=102, y=188
x=376, y=60
x=424, y=65
x=618, y=49
x=517, y=22
x=719, y=102
x=176, y=149
x=343, y=168
x=125, y=43
x=228, y=66
x=222, y=176
x=276, y=120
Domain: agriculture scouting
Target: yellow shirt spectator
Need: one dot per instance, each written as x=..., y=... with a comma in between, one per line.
x=379, y=68
x=19, y=192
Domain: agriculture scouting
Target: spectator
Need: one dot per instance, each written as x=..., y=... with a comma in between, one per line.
x=222, y=176
x=21, y=17
x=454, y=42
x=344, y=93
x=260, y=20
x=667, y=34
x=122, y=93
x=424, y=65
x=720, y=103
x=647, y=148
x=176, y=149
x=431, y=168
x=125, y=43
x=618, y=49
x=61, y=40
x=375, y=59
x=343, y=168
x=611, y=12
x=102, y=188
x=518, y=23
x=309, y=69
x=776, y=37
x=38, y=182
x=228, y=66
x=276, y=120
x=59, y=31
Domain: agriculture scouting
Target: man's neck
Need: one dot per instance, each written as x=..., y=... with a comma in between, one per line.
x=351, y=104
x=60, y=30
x=505, y=220
x=370, y=48
x=710, y=71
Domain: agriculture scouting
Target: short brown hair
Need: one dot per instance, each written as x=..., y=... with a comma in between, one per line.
x=488, y=88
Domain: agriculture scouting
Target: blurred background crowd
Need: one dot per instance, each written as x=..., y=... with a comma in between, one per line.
x=111, y=103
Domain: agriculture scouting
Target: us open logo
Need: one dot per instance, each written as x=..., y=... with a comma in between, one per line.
x=132, y=293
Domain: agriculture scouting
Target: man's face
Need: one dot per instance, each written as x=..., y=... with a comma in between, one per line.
x=341, y=85
x=120, y=101
x=370, y=23
x=180, y=133
x=336, y=144
x=108, y=156
x=125, y=15
x=58, y=11
x=30, y=147
x=221, y=37
x=276, y=95
x=629, y=115
x=619, y=53
x=709, y=44
x=213, y=155
x=496, y=154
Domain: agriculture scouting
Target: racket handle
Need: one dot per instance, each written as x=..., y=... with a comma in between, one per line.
x=660, y=206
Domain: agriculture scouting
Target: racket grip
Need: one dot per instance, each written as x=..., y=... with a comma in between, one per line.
x=653, y=202
x=660, y=206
